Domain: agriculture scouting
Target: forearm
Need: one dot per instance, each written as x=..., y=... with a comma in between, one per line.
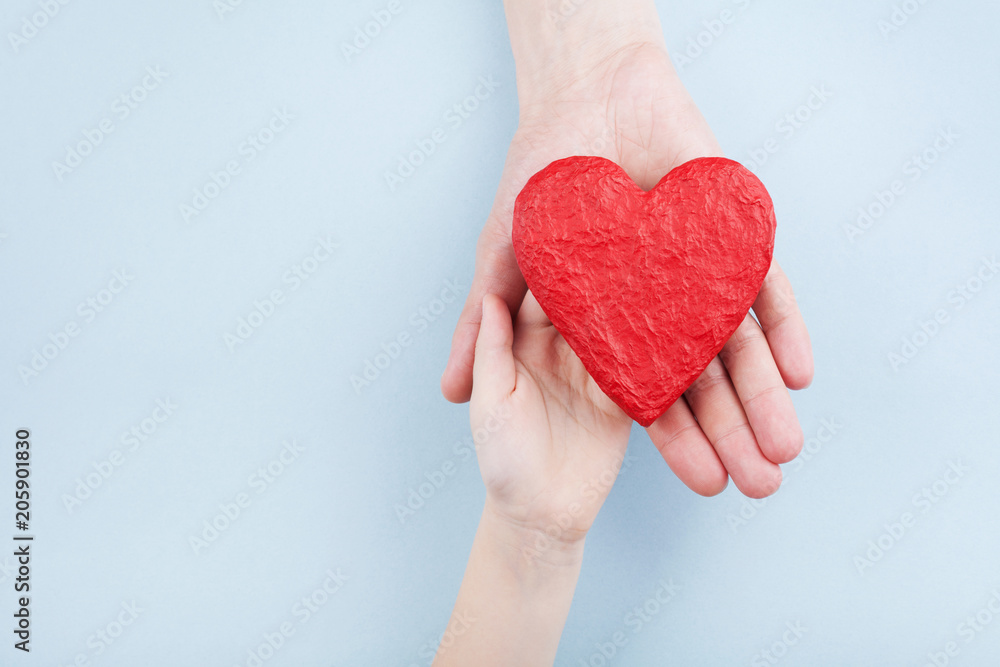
x=513, y=602
x=560, y=41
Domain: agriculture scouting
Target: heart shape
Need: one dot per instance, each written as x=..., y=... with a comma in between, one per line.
x=646, y=287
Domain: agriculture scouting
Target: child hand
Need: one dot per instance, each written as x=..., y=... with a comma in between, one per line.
x=549, y=441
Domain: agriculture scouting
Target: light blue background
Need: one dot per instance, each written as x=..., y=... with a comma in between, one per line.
x=334, y=507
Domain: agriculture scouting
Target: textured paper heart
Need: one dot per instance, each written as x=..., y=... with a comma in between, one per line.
x=646, y=287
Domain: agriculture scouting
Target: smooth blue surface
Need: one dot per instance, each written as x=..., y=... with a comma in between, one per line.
x=743, y=572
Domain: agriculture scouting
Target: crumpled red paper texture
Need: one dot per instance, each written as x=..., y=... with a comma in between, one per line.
x=646, y=287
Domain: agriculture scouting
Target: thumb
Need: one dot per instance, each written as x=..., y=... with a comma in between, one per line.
x=496, y=273
x=493, y=369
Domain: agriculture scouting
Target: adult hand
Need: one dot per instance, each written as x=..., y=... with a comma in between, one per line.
x=615, y=94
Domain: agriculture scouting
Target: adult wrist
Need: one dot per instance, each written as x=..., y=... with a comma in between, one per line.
x=560, y=45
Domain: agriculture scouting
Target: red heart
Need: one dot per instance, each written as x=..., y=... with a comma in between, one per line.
x=646, y=287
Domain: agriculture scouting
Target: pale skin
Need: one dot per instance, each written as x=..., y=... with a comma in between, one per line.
x=600, y=82
x=597, y=82
x=556, y=439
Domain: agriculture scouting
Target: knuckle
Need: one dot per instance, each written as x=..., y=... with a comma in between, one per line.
x=663, y=443
x=734, y=433
x=713, y=377
x=769, y=391
x=746, y=336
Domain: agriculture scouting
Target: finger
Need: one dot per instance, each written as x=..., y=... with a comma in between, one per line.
x=531, y=314
x=534, y=335
x=493, y=368
x=765, y=399
x=717, y=407
x=687, y=451
x=784, y=328
x=496, y=273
